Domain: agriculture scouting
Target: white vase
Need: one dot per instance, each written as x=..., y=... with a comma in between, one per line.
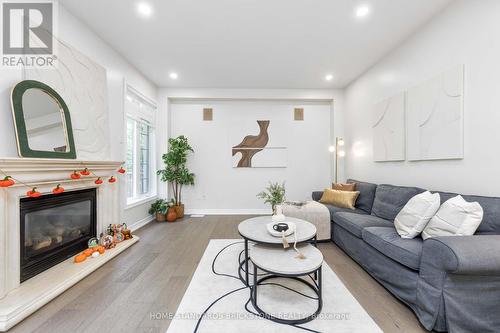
x=278, y=216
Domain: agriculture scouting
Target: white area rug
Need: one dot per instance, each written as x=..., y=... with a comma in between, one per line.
x=341, y=312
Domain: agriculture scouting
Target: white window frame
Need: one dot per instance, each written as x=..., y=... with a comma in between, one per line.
x=141, y=116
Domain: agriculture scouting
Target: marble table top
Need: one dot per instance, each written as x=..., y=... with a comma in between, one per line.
x=284, y=261
x=255, y=229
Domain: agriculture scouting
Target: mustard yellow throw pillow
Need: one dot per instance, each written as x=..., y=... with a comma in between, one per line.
x=342, y=199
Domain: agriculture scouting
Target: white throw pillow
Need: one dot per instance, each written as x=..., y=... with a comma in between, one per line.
x=415, y=215
x=456, y=217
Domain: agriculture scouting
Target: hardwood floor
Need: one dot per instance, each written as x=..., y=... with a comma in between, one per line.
x=130, y=292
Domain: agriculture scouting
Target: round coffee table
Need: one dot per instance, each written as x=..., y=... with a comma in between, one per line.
x=255, y=230
x=279, y=263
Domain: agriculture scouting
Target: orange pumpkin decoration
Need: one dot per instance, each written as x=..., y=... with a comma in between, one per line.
x=88, y=252
x=80, y=258
x=101, y=249
x=7, y=181
x=122, y=170
x=98, y=181
x=33, y=193
x=58, y=189
x=75, y=175
x=85, y=172
x=112, y=179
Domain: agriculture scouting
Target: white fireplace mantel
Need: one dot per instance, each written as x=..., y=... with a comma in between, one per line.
x=45, y=174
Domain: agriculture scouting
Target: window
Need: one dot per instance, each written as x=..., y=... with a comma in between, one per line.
x=140, y=176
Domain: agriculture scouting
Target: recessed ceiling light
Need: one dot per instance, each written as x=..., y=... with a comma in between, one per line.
x=174, y=76
x=329, y=77
x=144, y=9
x=362, y=11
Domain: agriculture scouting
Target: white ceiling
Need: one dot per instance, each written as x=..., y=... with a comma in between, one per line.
x=254, y=43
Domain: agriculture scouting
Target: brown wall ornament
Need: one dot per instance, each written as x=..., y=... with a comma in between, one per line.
x=252, y=144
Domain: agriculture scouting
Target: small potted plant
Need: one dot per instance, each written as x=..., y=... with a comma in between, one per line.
x=274, y=194
x=159, y=209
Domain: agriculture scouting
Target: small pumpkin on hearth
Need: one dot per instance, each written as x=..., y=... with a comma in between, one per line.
x=7, y=181
x=112, y=179
x=33, y=193
x=75, y=175
x=58, y=189
x=101, y=249
x=80, y=258
x=85, y=172
x=122, y=170
x=88, y=252
x=98, y=181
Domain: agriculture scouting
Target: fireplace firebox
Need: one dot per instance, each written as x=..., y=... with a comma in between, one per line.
x=54, y=228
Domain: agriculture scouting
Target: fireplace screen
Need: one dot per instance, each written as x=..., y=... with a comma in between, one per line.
x=54, y=228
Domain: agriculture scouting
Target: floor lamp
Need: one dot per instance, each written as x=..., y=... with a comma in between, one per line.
x=339, y=142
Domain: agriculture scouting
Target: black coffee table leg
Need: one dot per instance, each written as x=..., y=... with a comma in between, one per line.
x=320, y=284
x=254, y=289
x=246, y=263
x=317, y=288
x=315, y=244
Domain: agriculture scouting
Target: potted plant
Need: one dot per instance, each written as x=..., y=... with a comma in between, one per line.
x=274, y=194
x=175, y=171
x=159, y=209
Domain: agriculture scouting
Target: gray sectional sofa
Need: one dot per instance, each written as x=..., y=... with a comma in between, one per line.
x=451, y=283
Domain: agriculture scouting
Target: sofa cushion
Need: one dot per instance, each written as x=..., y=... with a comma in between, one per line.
x=316, y=195
x=344, y=187
x=343, y=199
x=415, y=215
x=407, y=252
x=491, y=212
x=455, y=217
x=334, y=209
x=390, y=199
x=355, y=223
x=366, y=194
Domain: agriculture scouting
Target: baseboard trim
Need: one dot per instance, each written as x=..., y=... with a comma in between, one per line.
x=141, y=223
x=229, y=211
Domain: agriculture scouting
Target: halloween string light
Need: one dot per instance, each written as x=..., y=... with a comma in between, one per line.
x=9, y=181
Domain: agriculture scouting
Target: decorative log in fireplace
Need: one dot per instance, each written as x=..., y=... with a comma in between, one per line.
x=54, y=228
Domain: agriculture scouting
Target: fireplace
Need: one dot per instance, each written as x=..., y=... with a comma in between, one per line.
x=21, y=261
x=54, y=228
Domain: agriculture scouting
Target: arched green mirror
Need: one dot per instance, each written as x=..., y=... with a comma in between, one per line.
x=42, y=121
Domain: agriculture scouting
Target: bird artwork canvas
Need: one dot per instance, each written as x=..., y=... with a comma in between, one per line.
x=254, y=152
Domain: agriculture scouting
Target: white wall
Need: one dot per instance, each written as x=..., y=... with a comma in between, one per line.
x=78, y=35
x=467, y=32
x=119, y=71
x=222, y=189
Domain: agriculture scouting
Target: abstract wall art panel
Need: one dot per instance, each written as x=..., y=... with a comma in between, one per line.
x=389, y=129
x=435, y=117
x=254, y=150
x=83, y=85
